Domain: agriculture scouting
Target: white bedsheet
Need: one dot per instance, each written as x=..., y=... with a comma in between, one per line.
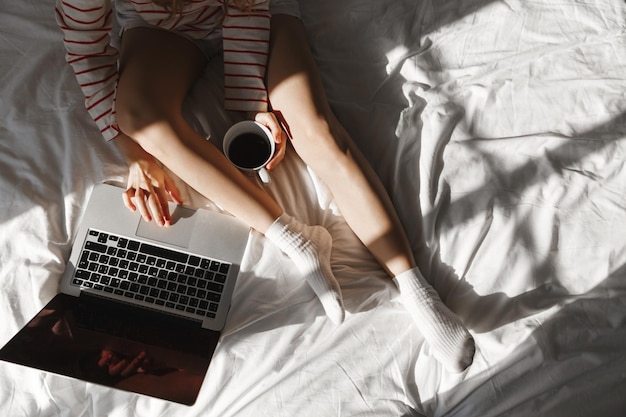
x=500, y=135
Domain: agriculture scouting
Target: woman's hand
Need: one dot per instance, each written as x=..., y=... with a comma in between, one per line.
x=148, y=184
x=270, y=121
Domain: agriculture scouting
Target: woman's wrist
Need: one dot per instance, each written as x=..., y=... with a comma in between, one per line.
x=130, y=149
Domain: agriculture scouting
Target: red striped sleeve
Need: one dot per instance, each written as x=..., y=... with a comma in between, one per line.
x=97, y=102
x=254, y=102
x=99, y=81
x=81, y=10
x=106, y=113
x=87, y=70
x=86, y=25
x=229, y=39
x=88, y=41
x=246, y=42
x=241, y=87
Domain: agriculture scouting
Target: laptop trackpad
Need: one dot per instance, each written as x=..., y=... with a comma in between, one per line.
x=179, y=233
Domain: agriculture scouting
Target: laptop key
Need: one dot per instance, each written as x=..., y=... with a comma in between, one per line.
x=94, y=246
x=215, y=287
x=211, y=296
x=164, y=253
x=82, y=274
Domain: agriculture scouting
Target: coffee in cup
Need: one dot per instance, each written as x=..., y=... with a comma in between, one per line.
x=250, y=146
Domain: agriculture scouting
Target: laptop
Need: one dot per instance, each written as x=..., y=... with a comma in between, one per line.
x=140, y=307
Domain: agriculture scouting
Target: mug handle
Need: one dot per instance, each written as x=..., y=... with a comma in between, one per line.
x=264, y=175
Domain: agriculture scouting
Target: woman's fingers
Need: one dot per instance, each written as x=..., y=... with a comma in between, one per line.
x=270, y=121
x=120, y=365
x=105, y=357
x=152, y=205
x=128, y=196
x=116, y=367
x=142, y=204
x=278, y=155
x=148, y=189
x=159, y=207
x=134, y=365
x=172, y=190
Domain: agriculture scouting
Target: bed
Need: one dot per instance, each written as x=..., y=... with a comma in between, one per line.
x=499, y=131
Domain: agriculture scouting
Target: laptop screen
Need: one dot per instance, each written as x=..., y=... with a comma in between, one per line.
x=115, y=345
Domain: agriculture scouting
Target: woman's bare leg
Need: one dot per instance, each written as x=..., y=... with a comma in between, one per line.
x=297, y=92
x=324, y=145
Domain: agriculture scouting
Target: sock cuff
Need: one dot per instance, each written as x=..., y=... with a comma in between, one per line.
x=277, y=229
x=410, y=280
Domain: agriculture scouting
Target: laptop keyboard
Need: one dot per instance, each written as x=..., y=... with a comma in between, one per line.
x=173, y=280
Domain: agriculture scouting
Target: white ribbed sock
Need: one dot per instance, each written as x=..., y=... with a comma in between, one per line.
x=452, y=344
x=309, y=248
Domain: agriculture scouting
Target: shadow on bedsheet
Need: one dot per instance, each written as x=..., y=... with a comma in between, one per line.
x=573, y=363
x=548, y=291
x=386, y=131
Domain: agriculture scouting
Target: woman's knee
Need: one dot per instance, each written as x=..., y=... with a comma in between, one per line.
x=322, y=148
x=135, y=111
x=143, y=120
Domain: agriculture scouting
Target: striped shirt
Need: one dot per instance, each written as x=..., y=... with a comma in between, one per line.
x=87, y=24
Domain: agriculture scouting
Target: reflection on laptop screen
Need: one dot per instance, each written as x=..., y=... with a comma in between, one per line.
x=117, y=346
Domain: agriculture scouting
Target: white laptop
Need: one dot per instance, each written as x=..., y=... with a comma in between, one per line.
x=140, y=307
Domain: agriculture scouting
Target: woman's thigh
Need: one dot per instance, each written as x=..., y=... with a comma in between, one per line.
x=296, y=90
x=157, y=69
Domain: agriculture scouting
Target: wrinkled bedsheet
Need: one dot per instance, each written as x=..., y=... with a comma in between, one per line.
x=499, y=130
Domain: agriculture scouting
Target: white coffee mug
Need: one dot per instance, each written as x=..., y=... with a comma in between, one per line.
x=249, y=146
